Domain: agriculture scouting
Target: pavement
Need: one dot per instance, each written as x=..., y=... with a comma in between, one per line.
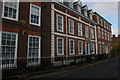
x=103, y=70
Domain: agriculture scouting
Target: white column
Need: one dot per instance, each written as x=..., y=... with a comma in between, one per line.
x=52, y=35
x=66, y=36
x=96, y=39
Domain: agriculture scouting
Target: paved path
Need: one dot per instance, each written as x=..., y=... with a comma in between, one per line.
x=107, y=69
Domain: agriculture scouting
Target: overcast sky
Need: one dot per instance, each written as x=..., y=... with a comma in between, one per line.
x=107, y=9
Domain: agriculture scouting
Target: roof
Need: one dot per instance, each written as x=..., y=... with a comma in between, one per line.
x=102, y=17
x=74, y=11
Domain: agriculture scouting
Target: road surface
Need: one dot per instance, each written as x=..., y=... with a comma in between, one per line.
x=107, y=69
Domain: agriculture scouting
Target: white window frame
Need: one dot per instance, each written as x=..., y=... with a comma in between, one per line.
x=99, y=33
x=39, y=54
x=70, y=20
x=91, y=16
x=93, y=47
x=79, y=47
x=101, y=20
x=70, y=47
x=100, y=48
x=17, y=13
x=15, y=55
x=105, y=35
x=85, y=13
x=108, y=36
x=106, y=25
x=86, y=48
x=87, y=33
x=39, y=22
x=61, y=1
x=102, y=34
x=79, y=30
x=62, y=46
x=110, y=27
x=92, y=33
x=62, y=23
x=98, y=20
x=103, y=23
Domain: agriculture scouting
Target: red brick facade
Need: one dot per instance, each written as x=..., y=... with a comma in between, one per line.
x=49, y=34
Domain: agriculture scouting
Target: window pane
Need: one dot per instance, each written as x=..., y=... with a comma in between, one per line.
x=8, y=48
x=13, y=37
x=10, y=9
x=60, y=22
x=35, y=14
x=86, y=31
x=33, y=49
x=71, y=47
x=80, y=47
x=60, y=46
x=71, y=26
x=79, y=29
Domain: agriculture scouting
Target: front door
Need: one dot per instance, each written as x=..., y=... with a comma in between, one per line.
x=87, y=49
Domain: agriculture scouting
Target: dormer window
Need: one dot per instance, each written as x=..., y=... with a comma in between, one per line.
x=77, y=6
x=61, y=1
x=84, y=10
x=69, y=4
x=90, y=12
x=91, y=16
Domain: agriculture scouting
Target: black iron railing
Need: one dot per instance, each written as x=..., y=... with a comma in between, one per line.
x=25, y=65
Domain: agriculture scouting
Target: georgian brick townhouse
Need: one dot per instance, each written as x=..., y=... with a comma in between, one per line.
x=104, y=34
x=51, y=33
x=74, y=31
x=21, y=34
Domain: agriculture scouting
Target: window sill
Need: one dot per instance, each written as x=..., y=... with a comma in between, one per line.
x=10, y=18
